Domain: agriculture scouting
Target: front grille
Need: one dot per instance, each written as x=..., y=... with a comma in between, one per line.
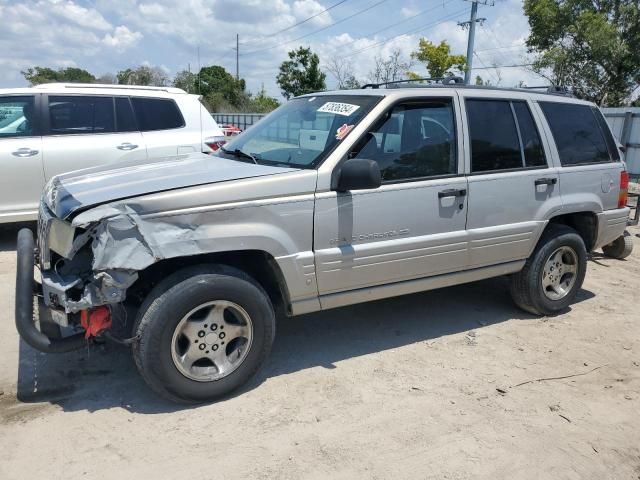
x=44, y=224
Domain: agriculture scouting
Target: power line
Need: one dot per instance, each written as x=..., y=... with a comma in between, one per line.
x=505, y=47
x=317, y=31
x=305, y=20
x=492, y=34
x=487, y=68
x=408, y=32
x=504, y=66
x=373, y=34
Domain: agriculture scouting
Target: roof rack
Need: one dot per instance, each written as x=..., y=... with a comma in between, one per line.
x=552, y=89
x=107, y=86
x=452, y=80
x=457, y=82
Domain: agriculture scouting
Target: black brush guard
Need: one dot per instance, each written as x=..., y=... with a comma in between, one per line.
x=26, y=290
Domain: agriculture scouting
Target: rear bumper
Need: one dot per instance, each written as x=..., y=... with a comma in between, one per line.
x=29, y=296
x=611, y=225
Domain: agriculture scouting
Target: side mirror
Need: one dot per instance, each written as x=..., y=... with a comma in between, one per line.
x=357, y=174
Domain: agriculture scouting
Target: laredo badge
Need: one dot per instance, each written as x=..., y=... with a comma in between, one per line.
x=342, y=131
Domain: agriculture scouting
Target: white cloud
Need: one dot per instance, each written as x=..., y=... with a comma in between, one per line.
x=122, y=38
x=94, y=34
x=74, y=13
x=303, y=9
x=408, y=11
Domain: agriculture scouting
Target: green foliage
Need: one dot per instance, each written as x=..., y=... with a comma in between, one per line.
x=438, y=58
x=143, y=75
x=262, y=103
x=301, y=74
x=221, y=91
x=38, y=75
x=187, y=81
x=591, y=46
x=351, y=83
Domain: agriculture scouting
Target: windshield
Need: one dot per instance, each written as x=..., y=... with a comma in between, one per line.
x=302, y=132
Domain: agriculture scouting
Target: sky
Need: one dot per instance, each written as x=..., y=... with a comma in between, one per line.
x=105, y=36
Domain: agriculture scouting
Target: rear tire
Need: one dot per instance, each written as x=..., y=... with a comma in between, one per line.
x=620, y=248
x=182, y=352
x=553, y=274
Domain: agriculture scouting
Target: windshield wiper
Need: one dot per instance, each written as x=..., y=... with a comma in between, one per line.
x=240, y=154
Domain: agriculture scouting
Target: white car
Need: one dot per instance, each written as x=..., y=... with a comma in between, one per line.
x=56, y=128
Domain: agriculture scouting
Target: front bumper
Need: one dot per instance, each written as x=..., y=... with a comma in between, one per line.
x=28, y=296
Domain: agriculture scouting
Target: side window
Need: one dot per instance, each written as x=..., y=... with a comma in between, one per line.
x=531, y=143
x=17, y=117
x=125, y=119
x=75, y=114
x=415, y=140
x=494, y=136
x=608, y=136
x=576, y=132
x=157, y=114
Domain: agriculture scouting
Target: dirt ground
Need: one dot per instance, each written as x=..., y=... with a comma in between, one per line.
x=424, y=386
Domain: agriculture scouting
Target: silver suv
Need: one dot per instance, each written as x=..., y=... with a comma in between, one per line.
x=335, y=198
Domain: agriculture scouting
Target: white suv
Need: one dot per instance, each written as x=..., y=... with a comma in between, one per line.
x=56, y=128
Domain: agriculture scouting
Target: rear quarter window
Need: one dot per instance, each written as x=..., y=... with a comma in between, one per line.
x=157, y=114
x=577, y=133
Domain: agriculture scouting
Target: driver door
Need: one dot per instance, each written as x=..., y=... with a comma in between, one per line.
x=413, y=226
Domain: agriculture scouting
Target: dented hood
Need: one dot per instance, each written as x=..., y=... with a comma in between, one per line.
x=83, y=189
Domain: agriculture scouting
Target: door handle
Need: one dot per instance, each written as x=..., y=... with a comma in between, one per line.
x=127, y=146
x=25, y=152
x=546, y=181
x=452, y=192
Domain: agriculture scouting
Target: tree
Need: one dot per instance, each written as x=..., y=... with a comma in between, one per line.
x=187, y=81
x=593, y=47
x=221, y=90
x=342, y=70
x=263, y=103
x=438, y=58
x=143, y=75
x=390, y=69
x=108, y=78
x=301, y=73
x=38, y=75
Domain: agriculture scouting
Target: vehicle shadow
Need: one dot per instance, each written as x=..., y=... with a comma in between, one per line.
x=106, y=377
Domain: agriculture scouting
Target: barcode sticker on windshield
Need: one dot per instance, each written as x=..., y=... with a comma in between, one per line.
x=345, y=109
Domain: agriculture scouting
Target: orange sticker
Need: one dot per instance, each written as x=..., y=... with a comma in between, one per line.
x=342, y=131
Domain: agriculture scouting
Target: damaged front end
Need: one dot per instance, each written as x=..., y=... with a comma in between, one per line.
x=72, y=293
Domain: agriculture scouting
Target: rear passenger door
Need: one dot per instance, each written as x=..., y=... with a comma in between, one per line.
x=590, y=173
x=164, y=127
x=513, y=189
x=83, y=131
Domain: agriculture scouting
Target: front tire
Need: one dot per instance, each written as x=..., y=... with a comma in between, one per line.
x=553, y=274
x=203, y=332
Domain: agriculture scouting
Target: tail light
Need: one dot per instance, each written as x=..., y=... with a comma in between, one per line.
x=214, y=143
x=624, y=186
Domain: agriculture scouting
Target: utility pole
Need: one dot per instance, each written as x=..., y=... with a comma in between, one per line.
x=199, y=68
x=471, y=24
x=237, y=56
